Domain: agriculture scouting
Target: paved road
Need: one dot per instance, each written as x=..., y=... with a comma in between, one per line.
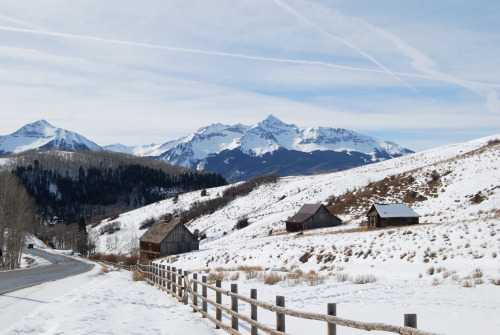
x=61, y=267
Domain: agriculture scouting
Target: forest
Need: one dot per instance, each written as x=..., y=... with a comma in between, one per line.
x=99, y=190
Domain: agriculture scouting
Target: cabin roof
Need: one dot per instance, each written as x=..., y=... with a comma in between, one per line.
x=158, y=231
x=304, y=213
x=394, y=211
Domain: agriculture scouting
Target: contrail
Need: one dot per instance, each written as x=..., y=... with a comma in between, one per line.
x=227, y=54
x=188, y=50
x=347, y=43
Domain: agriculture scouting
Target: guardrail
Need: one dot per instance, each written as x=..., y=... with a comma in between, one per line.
x=177, y=283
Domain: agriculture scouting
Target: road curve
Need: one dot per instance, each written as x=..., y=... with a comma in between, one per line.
x=61, y=267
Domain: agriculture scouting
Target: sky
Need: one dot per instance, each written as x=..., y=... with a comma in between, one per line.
x=422, y=74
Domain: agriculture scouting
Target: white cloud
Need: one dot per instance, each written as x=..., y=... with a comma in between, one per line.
x=120, y=71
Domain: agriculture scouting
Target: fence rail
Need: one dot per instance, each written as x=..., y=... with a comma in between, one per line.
x=177, y=283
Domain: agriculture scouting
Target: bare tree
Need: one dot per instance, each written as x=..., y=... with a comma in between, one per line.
x=17, y=218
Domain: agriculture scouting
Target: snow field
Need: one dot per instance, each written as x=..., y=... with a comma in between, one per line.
x=446, y=270
x=97, y=302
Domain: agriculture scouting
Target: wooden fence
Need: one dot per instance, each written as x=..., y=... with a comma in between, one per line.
x=177, y=283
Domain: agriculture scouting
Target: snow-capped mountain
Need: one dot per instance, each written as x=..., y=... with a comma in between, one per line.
x=272, y=146
x=237, y=152
x=42, y=134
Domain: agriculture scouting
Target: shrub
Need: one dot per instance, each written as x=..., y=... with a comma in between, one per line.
x=313, y=279
x=477, y=273
x=467, y=283
x=477, y=198
x=96, y=256
x=112, y=258
x=305, y=257
x=147, y=223
x=212, y=277
x=138, y=275
x=203, y=193
x=494, y=141
x=296, y=275
x=199, y=235
x=342, y=276
x=110, y=228
x=495, y=281
x=248, y=186
x=242, y=223
x=272, y=278
x=103, y=270
x=251, y=272
x=365, y=279
x=435, y=176
x=131, y=260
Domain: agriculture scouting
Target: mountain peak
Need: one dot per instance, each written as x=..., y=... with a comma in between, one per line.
x=35, y=129
x=41, y=123
x=271, y=119
x=41, y=134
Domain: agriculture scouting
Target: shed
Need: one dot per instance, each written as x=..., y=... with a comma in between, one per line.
x=165, y=238
x=391, y=215
x=312, y=216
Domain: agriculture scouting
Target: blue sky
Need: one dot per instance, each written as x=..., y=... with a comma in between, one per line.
x=422, y=74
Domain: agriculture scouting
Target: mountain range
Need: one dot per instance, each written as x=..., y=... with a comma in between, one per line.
x=237, y=152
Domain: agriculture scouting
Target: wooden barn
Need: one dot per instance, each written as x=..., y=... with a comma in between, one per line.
x=312, y=216
x=391, y=215
x=165, y=238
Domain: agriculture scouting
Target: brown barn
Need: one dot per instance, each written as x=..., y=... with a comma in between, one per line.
x=312, y=216
x=166, y=238
x=391, y=215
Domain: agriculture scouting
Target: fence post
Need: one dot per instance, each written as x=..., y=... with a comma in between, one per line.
x=253, y=311
x=218, y=299
x=174, y=281
x=195, y=289
x=149, y=271
x=411, y=320
x=332, y=310
x=234, y=306
x=204, y=294
x=169, y=286
x=186, y=287
x=179, y=281
x=163, y=275
x=280, y=318
x=156, y=273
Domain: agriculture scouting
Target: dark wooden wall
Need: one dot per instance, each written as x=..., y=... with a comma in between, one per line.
x=385, y=222
x=179, y=240
x=321, y=219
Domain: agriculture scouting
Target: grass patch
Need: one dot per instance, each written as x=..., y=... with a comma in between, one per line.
x=365, y=279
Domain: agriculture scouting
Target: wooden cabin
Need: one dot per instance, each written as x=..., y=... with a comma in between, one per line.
x=165, y=238
x=312, y=216
x=391, y=215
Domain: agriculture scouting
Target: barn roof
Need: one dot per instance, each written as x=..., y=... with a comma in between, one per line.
x=305, y=212
x=158, y=231
x=394, y=211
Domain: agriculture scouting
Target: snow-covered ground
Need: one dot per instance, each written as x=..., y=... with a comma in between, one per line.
x=447, y=270
x=97, y=302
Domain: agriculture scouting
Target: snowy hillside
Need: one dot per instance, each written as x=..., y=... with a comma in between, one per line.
x=467, y=168
x=415, y=269
x=41, y=134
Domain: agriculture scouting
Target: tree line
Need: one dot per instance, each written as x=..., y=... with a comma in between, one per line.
x=17, y=219
x=99, y=191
